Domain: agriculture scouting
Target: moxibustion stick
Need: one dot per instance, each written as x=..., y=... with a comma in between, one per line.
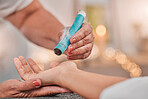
x=64, y=43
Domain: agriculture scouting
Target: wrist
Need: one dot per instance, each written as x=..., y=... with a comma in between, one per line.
x=49, y=77
x=65, y=75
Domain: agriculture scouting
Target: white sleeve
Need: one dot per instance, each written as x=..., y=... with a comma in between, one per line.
x=9, y=6
x=136, y=88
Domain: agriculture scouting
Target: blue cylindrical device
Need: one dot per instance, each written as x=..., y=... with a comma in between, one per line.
x=64, y=43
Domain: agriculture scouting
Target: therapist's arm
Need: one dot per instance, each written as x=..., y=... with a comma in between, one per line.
x=42, y=28
x=38, y=25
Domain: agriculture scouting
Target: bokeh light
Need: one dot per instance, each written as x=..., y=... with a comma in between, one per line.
x=121, y=58
x=101, y=30
x=109, y=53
x=124, y=61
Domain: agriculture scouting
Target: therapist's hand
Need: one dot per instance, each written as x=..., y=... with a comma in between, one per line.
x=42, y=28
x=81, y=43
x=29, y=88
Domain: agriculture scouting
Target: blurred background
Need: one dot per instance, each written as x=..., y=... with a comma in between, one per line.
x=121, y=38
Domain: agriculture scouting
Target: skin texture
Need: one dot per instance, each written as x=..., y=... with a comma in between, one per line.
x=67, y=75
x=16, y=88
x=43, y=29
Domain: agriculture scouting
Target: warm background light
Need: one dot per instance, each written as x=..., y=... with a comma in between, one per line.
x=119, y=40
x=124, y=61
x=101, y=30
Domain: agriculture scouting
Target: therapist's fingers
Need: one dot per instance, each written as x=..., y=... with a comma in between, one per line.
x=25, y=65
x=88, y=39
x=82, y=56
x=33, y=65
x=48, y=90
x=19, y=68
x=28, y=85
x=85, y=30
x=82, y=50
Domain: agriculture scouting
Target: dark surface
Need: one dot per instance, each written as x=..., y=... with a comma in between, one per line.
x=58, y=96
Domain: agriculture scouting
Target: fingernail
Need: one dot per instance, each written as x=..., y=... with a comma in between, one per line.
x=71, y=48
x=70, y=53
x=36, y=84
x=74, y=40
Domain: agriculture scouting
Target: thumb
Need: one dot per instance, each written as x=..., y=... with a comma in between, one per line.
x=29, y=84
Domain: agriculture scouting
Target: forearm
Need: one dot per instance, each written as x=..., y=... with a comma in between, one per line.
x=88, y=85
x=66, y=74
x=38, y=25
